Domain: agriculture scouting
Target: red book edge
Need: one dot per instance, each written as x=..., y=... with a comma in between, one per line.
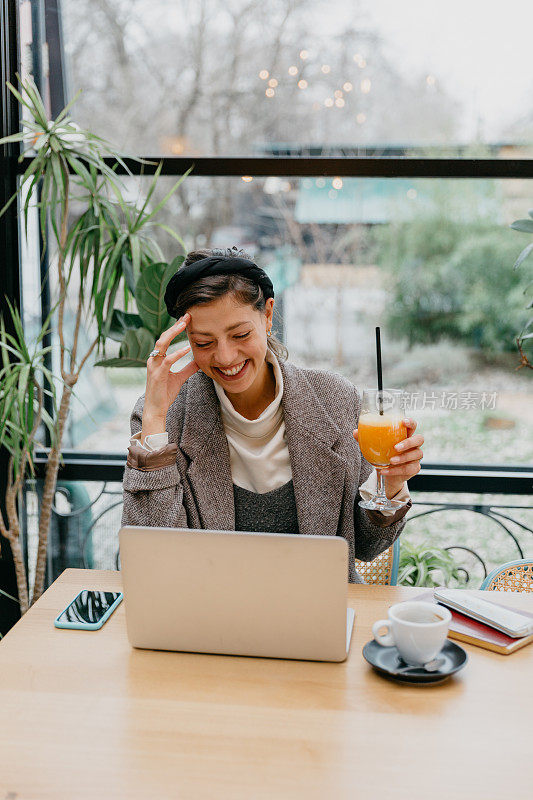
x=469, y=630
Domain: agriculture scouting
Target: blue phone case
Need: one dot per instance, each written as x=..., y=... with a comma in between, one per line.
x=87, y=626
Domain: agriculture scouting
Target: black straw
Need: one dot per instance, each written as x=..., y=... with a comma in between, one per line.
x=380, y=375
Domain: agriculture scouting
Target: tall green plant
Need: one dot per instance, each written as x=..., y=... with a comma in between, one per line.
x=24, y=381
x=104, y=250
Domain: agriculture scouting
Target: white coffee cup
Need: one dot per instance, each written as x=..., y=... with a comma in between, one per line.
x=418, y=630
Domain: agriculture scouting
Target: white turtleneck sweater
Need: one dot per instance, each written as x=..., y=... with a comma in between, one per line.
x=259, y=456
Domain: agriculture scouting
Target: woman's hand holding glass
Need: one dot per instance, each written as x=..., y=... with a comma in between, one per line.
x=406, y=464
x=389, y=444
x=162, y=384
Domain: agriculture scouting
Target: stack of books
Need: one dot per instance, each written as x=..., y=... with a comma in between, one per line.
x=466, y=629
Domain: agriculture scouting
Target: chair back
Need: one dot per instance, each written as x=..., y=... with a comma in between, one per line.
x=515, y=576
x=383, y=570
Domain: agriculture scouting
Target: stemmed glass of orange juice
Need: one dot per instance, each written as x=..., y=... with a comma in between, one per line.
x=380, y=428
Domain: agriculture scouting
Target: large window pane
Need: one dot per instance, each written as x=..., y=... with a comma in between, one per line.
x=242, y=77
x=429, y=261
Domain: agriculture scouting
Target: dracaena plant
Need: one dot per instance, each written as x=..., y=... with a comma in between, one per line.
x=24, y=380
x=105, y=250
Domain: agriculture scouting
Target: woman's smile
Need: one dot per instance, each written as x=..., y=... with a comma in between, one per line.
x=231, y=373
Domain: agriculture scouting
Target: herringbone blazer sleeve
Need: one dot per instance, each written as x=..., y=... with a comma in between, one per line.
x=375, y=532
x=152, y=486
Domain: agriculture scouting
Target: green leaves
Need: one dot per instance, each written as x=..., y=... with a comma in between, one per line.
x=23, y=382
x=524, y=225
x=111, y=244
x=137, y=345
x=427, y=566
x=149, y=295
x=523, y=255
x=134, y=351
x=138, y=332
x=121, y=322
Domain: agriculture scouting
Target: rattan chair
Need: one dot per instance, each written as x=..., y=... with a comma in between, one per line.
x=515, y=576
x=382, y=570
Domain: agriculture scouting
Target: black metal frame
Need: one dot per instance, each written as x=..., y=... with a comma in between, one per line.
x=10, y=284
x=343, y=167
x=326, y=166
x=54, y=36
x=460, y=478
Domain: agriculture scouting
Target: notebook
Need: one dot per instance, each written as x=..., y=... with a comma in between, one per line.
x=466, y=629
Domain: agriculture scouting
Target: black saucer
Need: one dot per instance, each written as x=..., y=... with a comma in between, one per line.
x=389, y=662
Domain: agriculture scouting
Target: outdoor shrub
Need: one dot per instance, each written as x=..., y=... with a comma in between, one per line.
x=452, y=279
x=492, y=303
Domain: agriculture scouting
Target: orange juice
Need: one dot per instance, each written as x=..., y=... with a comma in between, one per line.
x=377, y=436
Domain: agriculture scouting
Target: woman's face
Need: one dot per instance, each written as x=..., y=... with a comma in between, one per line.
x=229, y=342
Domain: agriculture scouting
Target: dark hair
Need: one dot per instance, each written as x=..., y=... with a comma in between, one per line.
x=212, y=287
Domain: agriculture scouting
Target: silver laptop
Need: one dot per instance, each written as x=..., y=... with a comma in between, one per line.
x=249, y=594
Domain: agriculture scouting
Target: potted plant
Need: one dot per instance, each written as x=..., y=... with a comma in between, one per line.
x=428, y=566
x=108, y=246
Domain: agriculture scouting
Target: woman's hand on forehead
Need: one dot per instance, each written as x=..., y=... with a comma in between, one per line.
x=168, y=336
x=162, y=383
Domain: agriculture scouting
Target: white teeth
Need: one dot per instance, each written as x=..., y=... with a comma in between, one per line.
x=233, y=370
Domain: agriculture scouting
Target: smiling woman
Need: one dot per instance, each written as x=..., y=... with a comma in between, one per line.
x=240, y=439
x=227, y=340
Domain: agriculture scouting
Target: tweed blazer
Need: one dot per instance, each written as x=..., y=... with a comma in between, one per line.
x=188, y=483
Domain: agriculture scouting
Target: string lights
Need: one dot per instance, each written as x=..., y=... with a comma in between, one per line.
x=338, y=99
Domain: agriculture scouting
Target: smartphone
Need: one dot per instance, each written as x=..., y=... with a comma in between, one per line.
x=89, y=610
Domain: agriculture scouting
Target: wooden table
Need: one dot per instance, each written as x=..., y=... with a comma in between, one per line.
x=83, y=715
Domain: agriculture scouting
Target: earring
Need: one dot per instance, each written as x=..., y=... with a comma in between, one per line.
x=269, y=332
